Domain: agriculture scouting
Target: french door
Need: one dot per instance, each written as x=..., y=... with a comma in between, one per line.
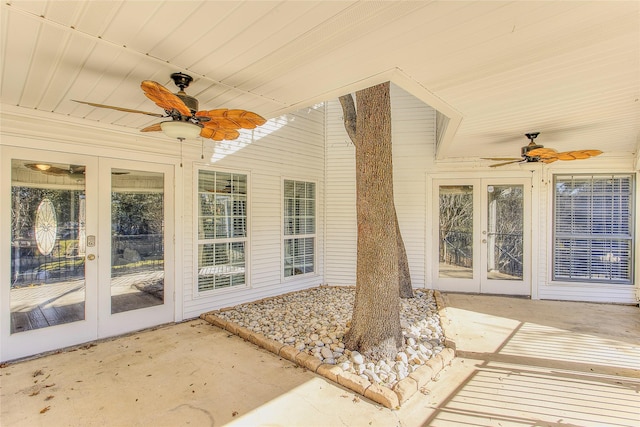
x=87, y=249
x=483, y=235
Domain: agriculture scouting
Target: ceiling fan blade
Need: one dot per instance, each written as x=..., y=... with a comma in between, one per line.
x=572, y=155
x=592, y=153
x=77, y=168
x=49, y=170
x=578, y=154
x=126, y=110
x=217, y=121
x=153, y=128
x=501, y=158
x=163, y=98
x=505, y=163
x=542, y=152
x=247, y=119
x=219, y=134
x=231, y=119
x=57, y=171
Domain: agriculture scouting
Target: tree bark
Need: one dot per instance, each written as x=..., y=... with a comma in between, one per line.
x=350, y=120
x=375, y=326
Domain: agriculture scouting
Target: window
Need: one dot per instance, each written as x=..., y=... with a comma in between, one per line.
x=222, y=229
x=299, y=227
x=593, y=228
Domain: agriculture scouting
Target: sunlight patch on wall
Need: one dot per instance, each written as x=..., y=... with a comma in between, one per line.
x=222, y=149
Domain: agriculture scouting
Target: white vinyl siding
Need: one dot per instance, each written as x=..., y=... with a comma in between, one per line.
x=299, y=227
x=593, y=228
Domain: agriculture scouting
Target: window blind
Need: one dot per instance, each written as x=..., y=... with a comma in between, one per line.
x=593, y=228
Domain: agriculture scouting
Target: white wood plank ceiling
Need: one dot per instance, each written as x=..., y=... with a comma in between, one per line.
x=569, y=69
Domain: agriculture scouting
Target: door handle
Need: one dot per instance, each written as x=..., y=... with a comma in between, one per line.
x=484, y=240
x=91, y=257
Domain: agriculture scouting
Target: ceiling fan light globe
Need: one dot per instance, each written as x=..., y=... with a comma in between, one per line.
x=180, y=130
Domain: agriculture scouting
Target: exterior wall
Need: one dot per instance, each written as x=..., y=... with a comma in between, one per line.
x=414, y=128
x=413, y=132
x=312, y=145
x=290, y=147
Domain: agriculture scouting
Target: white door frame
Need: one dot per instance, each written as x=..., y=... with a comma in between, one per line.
x=59, y=336
x=98, y=322
x=119, y=323
x=480, y=283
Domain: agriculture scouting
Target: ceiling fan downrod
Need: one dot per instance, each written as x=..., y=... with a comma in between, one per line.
x=182, y=81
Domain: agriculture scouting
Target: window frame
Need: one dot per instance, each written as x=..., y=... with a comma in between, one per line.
x=197, y=241
x=633, y=203
x=285, y=236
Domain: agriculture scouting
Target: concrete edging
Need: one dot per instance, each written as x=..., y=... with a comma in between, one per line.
x=391, y=398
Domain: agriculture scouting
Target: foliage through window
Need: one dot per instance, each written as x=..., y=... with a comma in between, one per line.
x=222, y=229
x=299, y=227
x=593, y=228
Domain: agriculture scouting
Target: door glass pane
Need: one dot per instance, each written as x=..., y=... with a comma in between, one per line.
x=137, y=239
x=456, y=231
x=504, y=232
x=47, y=244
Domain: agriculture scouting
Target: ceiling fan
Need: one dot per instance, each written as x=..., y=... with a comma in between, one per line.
x=533, y=153
x=73, y=171
x=48, y=169
x=186, y=121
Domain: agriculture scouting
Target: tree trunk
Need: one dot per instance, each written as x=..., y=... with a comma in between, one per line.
x=404, y=276
x=375, y=326
x=350, y=119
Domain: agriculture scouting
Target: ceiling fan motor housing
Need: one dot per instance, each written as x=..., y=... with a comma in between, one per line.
x=525, y=150
x=189, y=101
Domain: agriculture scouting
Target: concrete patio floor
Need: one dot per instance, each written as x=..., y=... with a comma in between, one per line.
x=520, y=363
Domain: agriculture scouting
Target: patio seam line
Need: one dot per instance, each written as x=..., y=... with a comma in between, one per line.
x=391, y=398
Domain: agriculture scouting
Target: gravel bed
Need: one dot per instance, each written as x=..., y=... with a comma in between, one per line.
x=315, y=321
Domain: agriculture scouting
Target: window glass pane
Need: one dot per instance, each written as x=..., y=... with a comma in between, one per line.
x=311, y=190
x=593, y=225
x=311, y=225
x=289, y=187
x=299, y=256
x=206, y=181
x=219, y=263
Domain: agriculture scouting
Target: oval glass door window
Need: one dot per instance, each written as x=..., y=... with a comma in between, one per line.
x=46, y=227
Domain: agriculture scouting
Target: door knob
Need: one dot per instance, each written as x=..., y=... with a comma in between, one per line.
x=484, y=240
x=91, y=257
